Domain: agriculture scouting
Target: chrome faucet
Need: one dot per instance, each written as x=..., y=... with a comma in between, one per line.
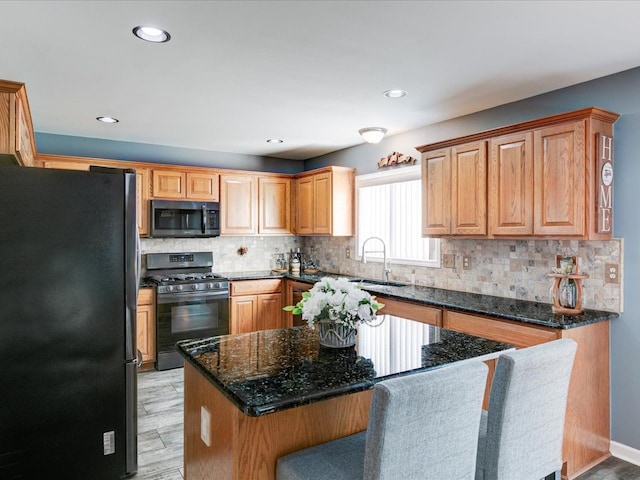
x=385, y=269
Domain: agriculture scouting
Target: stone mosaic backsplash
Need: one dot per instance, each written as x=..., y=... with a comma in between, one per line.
x=504, y=268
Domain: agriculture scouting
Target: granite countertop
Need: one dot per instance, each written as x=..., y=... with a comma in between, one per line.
x=525, y=311
x=272, y=370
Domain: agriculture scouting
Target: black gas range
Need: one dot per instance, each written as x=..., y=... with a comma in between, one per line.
x=191, y=302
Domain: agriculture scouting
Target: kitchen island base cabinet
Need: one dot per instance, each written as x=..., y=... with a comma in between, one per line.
x=243, y=447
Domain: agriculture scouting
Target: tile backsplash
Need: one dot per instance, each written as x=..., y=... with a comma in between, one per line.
x=505, y=268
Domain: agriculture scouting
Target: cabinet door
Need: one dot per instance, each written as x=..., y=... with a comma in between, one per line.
x=274, y=205
x=145, y=332
x=511, y=185
x=436, y=193
x=142, y=201
x=469, y=189
x=24, y=147
x=304, y=223
x=559, y=179
x=270, y=312
x=244, y=311
x=293, y=294
x=169, y=184
x=62, y=165
x=203, y=186
x=323, y=204
x=238, y=205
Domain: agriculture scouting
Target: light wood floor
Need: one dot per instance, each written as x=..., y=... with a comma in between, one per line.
x=160, y=418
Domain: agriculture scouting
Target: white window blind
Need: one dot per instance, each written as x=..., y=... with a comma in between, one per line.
x=389, y=206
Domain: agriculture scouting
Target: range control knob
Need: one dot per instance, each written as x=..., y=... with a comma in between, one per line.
x=210, y=286
x=169, y=288
x=195, y=286
x=179, y=288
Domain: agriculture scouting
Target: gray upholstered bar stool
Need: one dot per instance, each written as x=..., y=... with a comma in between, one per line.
x=521, y=434
x=422, y=426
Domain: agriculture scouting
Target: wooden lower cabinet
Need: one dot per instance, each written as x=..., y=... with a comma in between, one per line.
x=146, y=327
x=410, y=310
x=587, y=424
x=293, y=294
x=256, y=305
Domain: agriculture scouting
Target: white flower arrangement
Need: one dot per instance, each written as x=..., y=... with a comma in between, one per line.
x=336, y=299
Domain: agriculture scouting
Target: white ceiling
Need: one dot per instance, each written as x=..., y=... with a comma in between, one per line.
x=309, y=72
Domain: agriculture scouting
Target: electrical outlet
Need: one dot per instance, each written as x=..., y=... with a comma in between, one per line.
x=205, y=426
x=466, y=262
x=611, y=273
x=448, y=260
x=348, y=252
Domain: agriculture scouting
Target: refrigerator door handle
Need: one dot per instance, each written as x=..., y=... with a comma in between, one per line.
x=139, y=362
x=138, y=263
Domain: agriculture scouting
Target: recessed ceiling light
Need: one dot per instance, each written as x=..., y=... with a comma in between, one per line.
x=275, y=140
x=395, y=93
x=107, y=119
x=151, y=34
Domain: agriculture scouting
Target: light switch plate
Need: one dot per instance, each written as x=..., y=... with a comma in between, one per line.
x=448, y=260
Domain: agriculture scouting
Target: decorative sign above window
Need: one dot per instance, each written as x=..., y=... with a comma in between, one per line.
x=395, y=158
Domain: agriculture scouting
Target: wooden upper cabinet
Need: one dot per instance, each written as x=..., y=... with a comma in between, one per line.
x=169, y=184
x=274, y=205
x=511, y=184
x=305, y=204
x=142, y=201
x=469, y=189
x=203, y=186
x=325, y=202
x=559, y=176
x=238, y=204
x=436, y=194
x=176, y=184
x=455, y=190
x=17, y=144
x=543, y=180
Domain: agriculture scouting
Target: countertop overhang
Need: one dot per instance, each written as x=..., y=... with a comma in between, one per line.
x=272, y=370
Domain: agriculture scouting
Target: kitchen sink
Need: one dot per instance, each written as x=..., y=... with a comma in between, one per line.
x=365, y=282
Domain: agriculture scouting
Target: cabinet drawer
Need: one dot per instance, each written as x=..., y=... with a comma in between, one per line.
x=501, y=331
x=256, y=287
x=412, y=311
x=146, y=296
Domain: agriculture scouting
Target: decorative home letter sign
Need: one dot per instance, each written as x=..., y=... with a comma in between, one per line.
x=605, y=185
x=395, y=158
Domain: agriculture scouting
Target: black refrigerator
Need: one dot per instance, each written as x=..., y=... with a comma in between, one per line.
x=68, y=288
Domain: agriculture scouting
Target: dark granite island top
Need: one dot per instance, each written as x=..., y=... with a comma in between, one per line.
x=269, y=371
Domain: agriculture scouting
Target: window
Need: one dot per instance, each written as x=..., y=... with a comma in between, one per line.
x=389, y=206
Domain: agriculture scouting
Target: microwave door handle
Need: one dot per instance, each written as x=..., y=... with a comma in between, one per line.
x=204, y=219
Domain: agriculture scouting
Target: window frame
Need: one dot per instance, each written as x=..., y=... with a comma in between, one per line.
x=396, y=175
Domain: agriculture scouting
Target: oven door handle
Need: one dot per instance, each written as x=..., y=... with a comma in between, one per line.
x=164, y=298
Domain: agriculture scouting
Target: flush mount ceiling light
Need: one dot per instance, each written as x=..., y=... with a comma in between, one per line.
x=107, y=119
x=395, y=93
x=151, y=34
x=372, y=134
x=275, y=140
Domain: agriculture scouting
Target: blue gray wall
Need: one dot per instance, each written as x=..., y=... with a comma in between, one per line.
x=619, y=93
x=144, y=152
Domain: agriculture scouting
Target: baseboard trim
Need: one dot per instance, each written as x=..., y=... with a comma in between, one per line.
x=625, y=453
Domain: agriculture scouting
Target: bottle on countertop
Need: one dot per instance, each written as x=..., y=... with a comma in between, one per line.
x=294, y=263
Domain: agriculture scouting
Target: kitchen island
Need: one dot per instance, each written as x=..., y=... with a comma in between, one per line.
x=251, y=398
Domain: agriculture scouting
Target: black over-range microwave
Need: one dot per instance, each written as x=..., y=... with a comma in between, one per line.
x=184, y=219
